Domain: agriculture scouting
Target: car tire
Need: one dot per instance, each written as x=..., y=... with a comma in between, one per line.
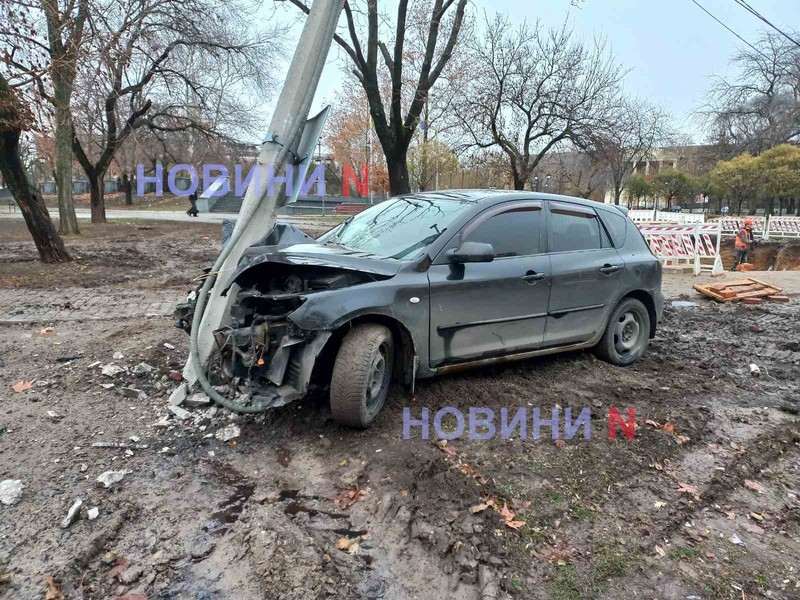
x=627, y=334
x=362, y=374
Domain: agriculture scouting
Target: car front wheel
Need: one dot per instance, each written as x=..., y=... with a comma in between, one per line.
x=626, y=335
x=361, y=376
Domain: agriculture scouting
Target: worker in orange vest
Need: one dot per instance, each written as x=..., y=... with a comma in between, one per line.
x=744, y=243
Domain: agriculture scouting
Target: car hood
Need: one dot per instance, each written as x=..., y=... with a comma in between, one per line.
x=316, y=255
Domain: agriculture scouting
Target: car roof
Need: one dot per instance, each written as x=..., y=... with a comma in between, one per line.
x=493, y=196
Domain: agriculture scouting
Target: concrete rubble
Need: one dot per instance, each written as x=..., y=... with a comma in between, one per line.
x=73, y=514
x=10, y=491
x=110, y=478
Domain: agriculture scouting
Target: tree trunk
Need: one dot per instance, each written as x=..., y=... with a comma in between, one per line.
x=43, y=231
x=398, y=174
x=519, y=182
x=68, y=221
x=618, y=195
x=127, y=187
x=97, y=198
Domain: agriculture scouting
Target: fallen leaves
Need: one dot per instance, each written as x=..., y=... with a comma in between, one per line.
x=22, y=386
x=560, y=554
x=45, y=330
x=506, y=512
x=349, y=497
x=508, y=518
x=120, y=566
x=347, y=545
x=753, y=528
x=753, y=485
x=756, y=517
x=53, y=589
x=442, y=445
x=689, y=490
x=670, y=429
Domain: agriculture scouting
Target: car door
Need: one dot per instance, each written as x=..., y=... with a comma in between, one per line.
x=586, y=274
x=486, y=309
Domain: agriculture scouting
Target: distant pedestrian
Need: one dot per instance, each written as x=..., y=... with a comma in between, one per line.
x=744, y=243
x=193, y=212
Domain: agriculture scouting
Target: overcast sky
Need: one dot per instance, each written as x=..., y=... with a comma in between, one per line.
x=671, y=46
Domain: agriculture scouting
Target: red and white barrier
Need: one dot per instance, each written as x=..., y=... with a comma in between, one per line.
x=779, y=227
x=663, y=216
x=685, y=246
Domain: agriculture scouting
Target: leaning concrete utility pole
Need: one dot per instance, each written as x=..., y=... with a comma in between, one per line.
x=260, y=205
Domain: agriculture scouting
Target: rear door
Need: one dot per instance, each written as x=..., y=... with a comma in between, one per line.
x=480, y=310
x=586, y=272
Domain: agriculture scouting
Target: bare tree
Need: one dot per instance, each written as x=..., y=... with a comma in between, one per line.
x=627, y=135
x=760, y=107
x=157, y=64
x=534, y=88
x=574, y=173
x=443, y=21
x=41, y=42
x=13, y=120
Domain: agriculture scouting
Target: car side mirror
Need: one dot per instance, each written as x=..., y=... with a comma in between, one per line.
x=471, y=252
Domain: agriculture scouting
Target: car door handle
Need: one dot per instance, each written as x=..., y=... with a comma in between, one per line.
x=533, y=276
x=608, y=269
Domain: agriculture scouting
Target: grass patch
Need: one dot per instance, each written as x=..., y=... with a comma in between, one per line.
x=565, y=584
x=682, y=553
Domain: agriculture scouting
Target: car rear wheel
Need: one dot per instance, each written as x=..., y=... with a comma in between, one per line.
x=361, y=376
x=626, y=335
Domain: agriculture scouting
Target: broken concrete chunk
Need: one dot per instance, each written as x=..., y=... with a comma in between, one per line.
x=109, y=478
x=112, y=370
x=93, y=513
x=179, y=412
x=228, y=433
x=54, y=416
x=117, y=356
x=107, y=386
x=133, y=393
x=72, y=514
x=197, y=400
x=177, y=397
x=169, y=346
x=163, y=422
x=10, y=491
x=144, y=369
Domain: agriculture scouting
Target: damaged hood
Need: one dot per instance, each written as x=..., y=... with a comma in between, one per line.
x=316, y=255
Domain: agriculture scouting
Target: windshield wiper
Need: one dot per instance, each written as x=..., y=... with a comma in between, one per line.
x=338, y=235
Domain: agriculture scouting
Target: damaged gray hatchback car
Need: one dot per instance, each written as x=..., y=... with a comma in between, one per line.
x=431, y=283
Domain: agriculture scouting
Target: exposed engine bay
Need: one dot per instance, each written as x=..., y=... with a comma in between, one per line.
x=262, y=348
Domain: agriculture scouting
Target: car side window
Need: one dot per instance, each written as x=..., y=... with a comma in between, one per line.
x=574, y=228
x=514, y=232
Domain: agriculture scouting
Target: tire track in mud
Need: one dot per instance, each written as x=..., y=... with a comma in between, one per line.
x=767, y=447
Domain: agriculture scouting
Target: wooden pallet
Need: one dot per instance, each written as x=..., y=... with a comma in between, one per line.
x=738, y=290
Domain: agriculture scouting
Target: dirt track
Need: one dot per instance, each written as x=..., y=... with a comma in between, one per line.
x=706, y=506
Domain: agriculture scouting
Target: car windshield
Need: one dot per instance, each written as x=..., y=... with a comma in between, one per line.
x=396, y=228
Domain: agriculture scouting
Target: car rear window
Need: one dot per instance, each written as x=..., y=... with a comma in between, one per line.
x=616, y=224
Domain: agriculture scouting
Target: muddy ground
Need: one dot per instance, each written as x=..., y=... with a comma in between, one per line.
x=701, y=503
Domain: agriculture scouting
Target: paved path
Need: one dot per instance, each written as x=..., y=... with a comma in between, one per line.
x=85, y=304
x=165, y=215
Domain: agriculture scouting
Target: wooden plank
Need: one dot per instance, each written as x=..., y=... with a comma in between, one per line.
x=778, y=298
x=742, y=282
x=766, y=284
x=758, y=294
